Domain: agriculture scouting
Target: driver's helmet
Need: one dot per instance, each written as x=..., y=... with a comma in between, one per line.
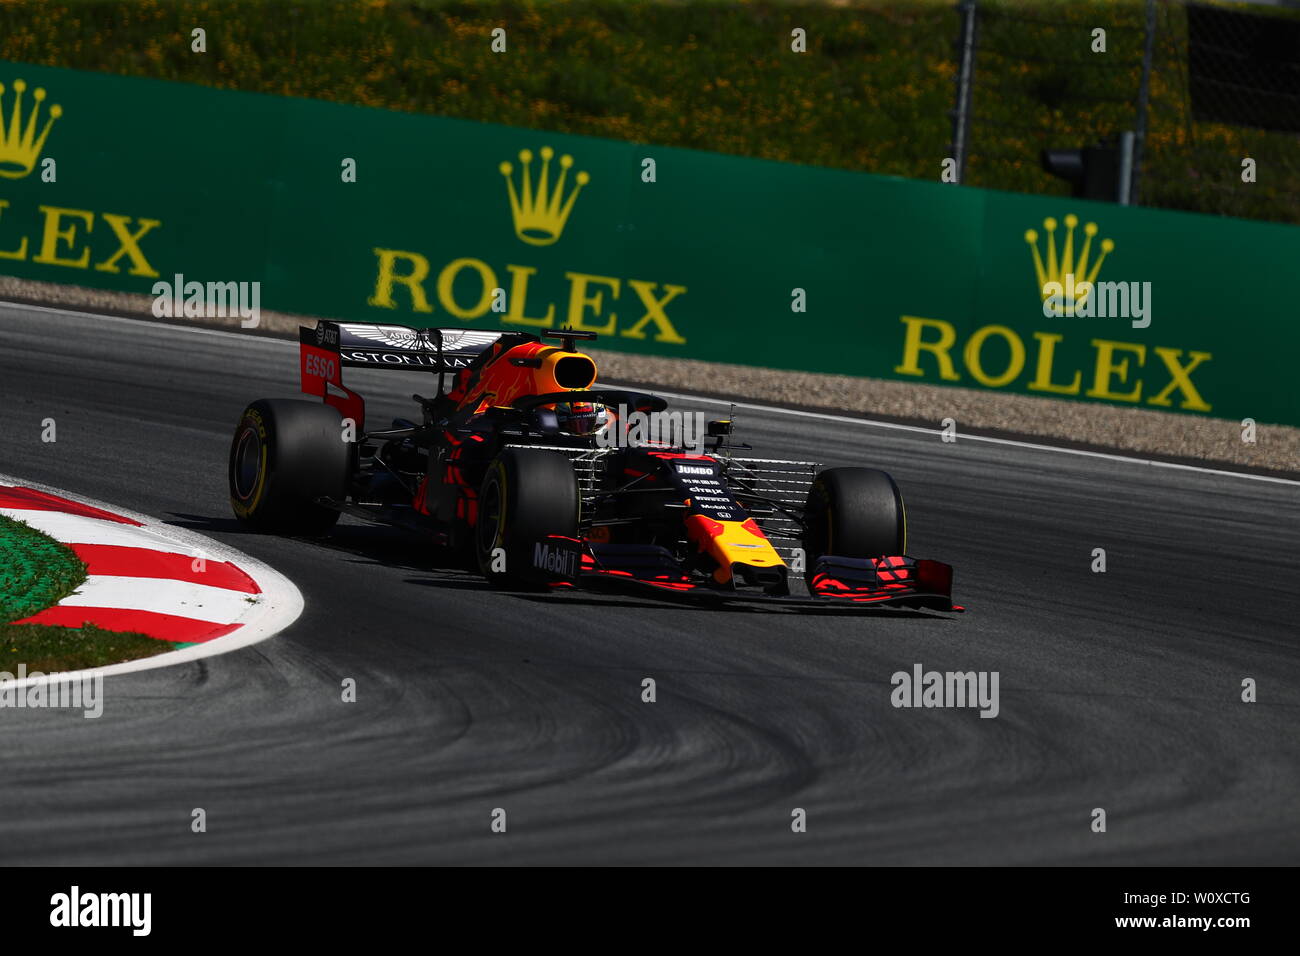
x=581, y=418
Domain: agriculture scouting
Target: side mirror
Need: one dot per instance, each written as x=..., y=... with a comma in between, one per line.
x=717, y=429
x=547, y=421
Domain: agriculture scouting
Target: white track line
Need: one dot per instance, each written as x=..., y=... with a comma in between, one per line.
x=279, y=604
x=1108, y=456
x=824, y=416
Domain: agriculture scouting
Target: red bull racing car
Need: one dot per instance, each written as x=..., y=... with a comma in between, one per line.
x=521, y=467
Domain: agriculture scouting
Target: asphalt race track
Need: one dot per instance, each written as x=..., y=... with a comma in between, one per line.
x=1118, y=690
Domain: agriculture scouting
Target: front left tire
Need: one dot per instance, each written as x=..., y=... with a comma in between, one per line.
x=525, y=497
x=853, y=513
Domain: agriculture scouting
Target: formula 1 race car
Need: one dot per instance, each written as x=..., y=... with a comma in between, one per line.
x=522, y=469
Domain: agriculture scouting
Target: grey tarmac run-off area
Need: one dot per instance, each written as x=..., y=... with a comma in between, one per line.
x=1118, y=690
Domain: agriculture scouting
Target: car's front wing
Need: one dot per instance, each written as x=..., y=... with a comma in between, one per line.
x=847, y=583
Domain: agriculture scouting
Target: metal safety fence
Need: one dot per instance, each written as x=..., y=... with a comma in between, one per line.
x=1181, y=105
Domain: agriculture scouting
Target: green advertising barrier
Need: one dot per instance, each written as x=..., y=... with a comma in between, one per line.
x=122, y=183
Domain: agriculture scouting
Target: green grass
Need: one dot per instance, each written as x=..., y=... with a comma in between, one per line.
x=873, y=93
x=49, y=649
x=36, y=572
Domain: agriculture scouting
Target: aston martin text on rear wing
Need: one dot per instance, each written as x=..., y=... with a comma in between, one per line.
x=367, y=345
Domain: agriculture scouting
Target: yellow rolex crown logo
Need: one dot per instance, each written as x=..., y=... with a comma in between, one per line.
x=1060, y=266
x=537, y=210
x=20, y=147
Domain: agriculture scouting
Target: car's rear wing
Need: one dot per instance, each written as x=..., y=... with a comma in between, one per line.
x=326, y=349
x=367, y=345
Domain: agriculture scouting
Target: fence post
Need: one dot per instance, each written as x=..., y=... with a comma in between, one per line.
x=965, y=79
x=1144, y=97
x=1126, y=139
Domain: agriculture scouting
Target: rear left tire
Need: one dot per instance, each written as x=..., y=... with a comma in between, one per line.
x=286, y=454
